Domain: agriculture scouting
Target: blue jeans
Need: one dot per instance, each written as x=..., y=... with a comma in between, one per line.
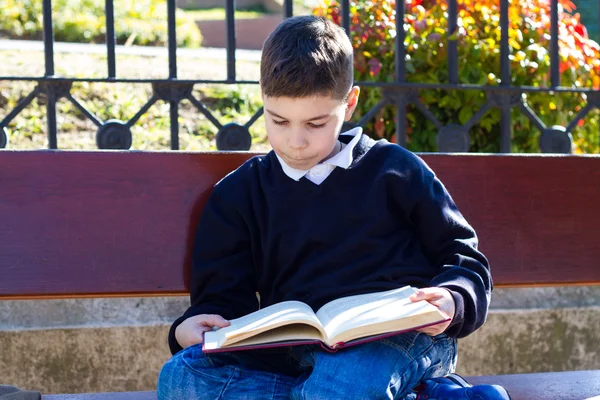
x=384, y=369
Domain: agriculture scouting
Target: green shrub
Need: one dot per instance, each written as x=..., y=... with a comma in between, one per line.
x=373, y=32
x=140, y=22
x=227, y=103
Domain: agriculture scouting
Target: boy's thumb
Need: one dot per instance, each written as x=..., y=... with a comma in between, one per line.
x=418, y=295
x=218, y=321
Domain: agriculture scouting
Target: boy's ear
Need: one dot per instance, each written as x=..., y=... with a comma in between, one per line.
x=352, y=102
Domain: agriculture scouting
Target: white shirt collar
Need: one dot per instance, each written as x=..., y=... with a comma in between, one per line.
x=342, y=159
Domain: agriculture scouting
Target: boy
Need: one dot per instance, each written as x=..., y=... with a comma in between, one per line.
x=322, y=216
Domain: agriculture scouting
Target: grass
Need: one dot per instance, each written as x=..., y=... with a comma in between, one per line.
x=228, y=103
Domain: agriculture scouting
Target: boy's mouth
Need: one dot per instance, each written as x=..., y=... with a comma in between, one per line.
x=302, y=164
x=298, y=159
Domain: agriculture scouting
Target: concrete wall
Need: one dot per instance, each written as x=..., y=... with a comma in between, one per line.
x=194, y=4
x=89, y=345
x=250, y=33
x=272, y=6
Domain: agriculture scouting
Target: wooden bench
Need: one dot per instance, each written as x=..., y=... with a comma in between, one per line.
x=98, y=224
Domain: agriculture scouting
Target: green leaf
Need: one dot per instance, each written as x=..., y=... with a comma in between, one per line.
x=464, y=115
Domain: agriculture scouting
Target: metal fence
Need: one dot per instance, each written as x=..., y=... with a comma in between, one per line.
x=116, y=134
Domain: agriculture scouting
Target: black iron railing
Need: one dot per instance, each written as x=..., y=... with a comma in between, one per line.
x=116, y=134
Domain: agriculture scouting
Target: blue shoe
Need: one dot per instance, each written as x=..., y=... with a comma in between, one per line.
x=454, y=387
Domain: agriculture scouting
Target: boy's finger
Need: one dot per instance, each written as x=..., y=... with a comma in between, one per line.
x=430, y=331
x=435, y=329
x=425, y=294
x=217, y=320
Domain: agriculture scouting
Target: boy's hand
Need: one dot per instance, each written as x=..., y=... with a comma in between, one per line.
x=190, y=331
x=442, y=299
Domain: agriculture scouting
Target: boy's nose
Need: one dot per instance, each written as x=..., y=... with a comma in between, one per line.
x=297, y=141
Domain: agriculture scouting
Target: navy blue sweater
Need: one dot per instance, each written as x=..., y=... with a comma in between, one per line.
x=384, y=222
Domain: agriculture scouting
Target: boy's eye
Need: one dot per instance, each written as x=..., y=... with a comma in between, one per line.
x=316, y=125
x=279, y=122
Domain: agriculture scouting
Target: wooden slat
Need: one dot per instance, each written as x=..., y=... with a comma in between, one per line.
x=572, y=385
x=103, y=396
x=538, y=217
x=112, y=223
x=101, y=222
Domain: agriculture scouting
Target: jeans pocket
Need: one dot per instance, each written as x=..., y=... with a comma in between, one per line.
x=201, y=364
x=414, y=343
x=441, y=336
x=194, y=350
x=404, y=341
x=444, y=349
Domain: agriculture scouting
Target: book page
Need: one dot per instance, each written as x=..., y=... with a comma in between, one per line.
x=284, y=334
x=285, y=313
x=381, y=312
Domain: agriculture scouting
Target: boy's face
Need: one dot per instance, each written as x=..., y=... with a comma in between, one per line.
x=304, y=131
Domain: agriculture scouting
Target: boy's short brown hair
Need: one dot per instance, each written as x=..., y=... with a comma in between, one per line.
x=306, y=56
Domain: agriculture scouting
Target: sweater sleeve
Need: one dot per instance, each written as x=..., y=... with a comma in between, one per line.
x=450, y=244
x=222, y=278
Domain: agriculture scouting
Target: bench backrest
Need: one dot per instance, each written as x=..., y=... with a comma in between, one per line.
x=121, y=223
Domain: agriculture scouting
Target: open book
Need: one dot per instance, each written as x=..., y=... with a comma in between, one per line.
x=339, y=323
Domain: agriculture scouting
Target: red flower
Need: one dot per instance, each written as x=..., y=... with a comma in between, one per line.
x=374, y=67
